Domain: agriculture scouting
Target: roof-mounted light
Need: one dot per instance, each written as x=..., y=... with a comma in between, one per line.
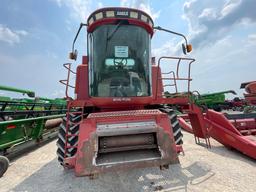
x=150, y=23
x=91, y=20
x=134, y=14
x=110, y=14
x=120, y=13
x=144, y=18
x=99, y=15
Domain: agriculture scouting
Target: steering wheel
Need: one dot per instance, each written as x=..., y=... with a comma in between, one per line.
x=120, y=64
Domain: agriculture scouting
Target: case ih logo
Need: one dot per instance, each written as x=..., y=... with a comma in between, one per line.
x=122, y=99
x=122, y=13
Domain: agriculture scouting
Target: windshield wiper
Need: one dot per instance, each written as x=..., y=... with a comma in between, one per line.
x=114, y=31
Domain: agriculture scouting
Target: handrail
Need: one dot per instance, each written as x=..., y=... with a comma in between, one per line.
x=174, y=79
x=69, y=67
x=191, y=60
x=66, y=81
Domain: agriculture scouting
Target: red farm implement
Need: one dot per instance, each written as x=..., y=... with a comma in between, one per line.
x=232, y=130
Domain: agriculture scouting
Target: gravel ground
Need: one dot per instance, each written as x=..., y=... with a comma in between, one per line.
x=201, y=169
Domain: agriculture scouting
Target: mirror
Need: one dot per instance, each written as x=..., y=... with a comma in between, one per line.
x=73, y=55
x=189, y=48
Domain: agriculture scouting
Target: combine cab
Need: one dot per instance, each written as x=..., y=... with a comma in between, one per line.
x=119, y=118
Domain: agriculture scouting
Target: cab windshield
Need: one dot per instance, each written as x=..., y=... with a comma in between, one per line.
x=119, y=61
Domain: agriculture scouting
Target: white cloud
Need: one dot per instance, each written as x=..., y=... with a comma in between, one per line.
x=223, y=46
x=143, y=5
x=21, y=32
x=208, y=13
x=224, y=65
x=229, y=7
x=168, y=48
x=11, y=36
x=212, y=20
x=80, y=9
x=250, y=41
x=252, y=38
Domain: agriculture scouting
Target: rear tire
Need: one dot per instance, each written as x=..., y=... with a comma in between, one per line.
x=4, y=164
x=72, y=140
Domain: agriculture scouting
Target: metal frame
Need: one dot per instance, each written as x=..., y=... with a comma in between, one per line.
x=177, y=78
x=236, y=131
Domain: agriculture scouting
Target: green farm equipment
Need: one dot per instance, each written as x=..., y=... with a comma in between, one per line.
x=214, y=101
x=23, y=91
x=26, y=121
x=21, y=108
x=56, y=101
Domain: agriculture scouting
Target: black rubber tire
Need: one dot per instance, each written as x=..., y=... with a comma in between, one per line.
x=72, y=141
x=4, y=164
x=176, y=128
x=217, y=108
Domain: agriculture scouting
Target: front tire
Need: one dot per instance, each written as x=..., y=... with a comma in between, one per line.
x=176, y=128
x=71, y=141
x=4, y=164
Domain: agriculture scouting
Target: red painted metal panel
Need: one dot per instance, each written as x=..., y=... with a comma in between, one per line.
x=251, y=88
x=81, y=89
x=185, y=125
x=219, y=118
x=223, y=131
x=157, y=84
x=88, y=130
x=197, y=121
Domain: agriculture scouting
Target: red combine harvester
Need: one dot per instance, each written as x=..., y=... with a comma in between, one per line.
x=250, y=95
x=120, y=118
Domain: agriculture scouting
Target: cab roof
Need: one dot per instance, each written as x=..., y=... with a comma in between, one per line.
x=112, y=15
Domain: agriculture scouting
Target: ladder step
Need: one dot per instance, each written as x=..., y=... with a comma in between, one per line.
x=75, y=124
x=71, y=147
x=70, y=135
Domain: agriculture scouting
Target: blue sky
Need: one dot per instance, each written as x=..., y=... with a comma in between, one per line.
x=36, y=36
